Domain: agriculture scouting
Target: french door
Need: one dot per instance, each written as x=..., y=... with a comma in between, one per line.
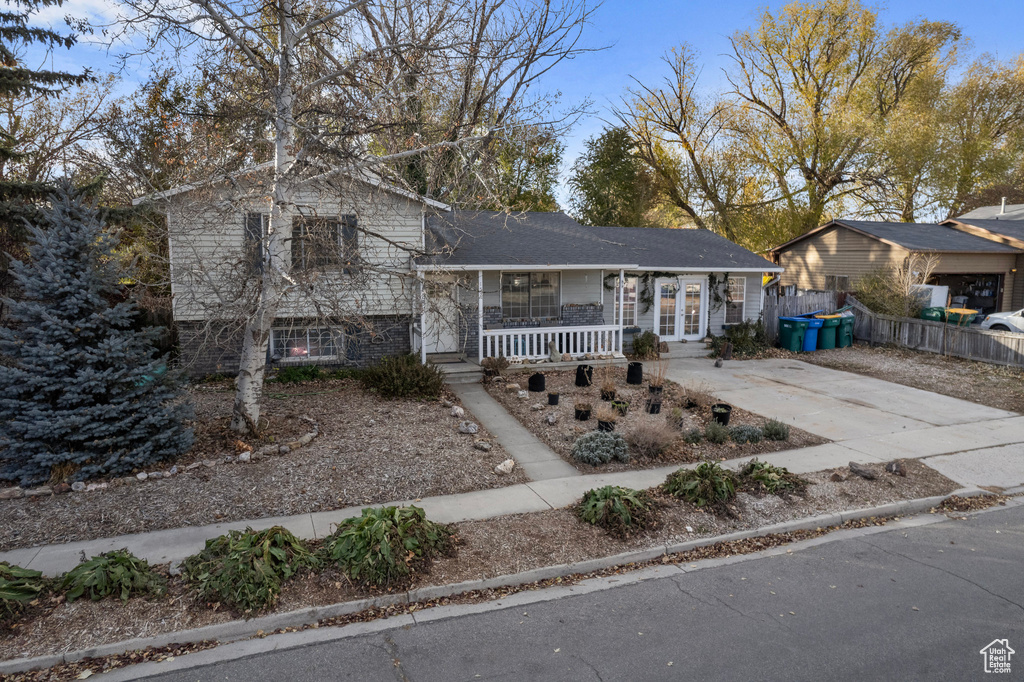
x=680, y=308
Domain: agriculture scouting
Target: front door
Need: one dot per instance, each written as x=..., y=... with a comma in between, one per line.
x=442, y=323
x=692, y=308
x=666, y=309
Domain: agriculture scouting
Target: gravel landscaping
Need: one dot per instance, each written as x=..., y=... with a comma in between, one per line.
x=534, y=413
x=485, y=548
x=992, y=385
x=368, y=450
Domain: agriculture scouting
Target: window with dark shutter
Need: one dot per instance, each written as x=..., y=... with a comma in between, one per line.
x=255, y=232
x=324, y=242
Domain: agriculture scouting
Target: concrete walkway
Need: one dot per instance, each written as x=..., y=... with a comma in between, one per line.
x=538, y=460
x=870, y=420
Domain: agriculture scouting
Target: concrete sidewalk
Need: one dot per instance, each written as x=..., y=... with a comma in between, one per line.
x=870, y=420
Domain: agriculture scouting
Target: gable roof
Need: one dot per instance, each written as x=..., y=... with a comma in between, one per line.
x=913, y=237
x=1011, y=212
x=493, y=240
x=1012, y=229
x=361, y=174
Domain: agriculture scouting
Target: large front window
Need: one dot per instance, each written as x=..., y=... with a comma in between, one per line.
x=734, y=306
x=305, y=344
x=629, y=299
x=530, y=295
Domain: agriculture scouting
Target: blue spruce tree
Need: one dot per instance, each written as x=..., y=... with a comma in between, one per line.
x=82, y=393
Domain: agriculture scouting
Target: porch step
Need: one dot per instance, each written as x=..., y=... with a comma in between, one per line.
x=460, y=372
x=691, y=349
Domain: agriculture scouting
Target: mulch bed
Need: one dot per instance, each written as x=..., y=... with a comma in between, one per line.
x=560, y=436
x=369, y=451
x=493, y=547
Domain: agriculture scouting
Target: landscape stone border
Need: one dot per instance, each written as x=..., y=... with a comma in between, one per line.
x=243, y=457
x=242, y=629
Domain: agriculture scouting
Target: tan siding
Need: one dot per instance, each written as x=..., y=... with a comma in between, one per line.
x=836, y=251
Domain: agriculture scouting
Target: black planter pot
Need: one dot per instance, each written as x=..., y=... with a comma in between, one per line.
x=720, y=412
x=653, y=407
x=584, y=375
x=690, y=404
x=621, y=406
x=607, y=395
x=582, y=415
x=605, y=426
x=536, y=383
x=656, y=390
x=552, y=398
x=635, y=373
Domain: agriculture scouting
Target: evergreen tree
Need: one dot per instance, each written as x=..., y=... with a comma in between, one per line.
x=82, y=392
x=610, y=184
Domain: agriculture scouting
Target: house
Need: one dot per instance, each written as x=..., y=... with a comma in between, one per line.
x=375, y=270
x=981, y=270
x=1002, y=224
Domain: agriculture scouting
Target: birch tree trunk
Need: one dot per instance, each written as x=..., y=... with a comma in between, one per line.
x=276, y=264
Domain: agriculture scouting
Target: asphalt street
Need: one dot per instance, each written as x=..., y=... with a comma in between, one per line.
x=910, y=604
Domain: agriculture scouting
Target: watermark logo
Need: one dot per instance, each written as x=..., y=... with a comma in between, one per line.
x=997, y=656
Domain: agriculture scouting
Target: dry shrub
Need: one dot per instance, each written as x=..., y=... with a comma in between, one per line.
x=699, y=392
x=658, y=372
x=649, y=438
x=606, y=413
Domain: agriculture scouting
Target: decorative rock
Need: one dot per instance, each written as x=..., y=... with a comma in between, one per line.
x=718, y=362
x=458, y=412
x=229, y=459
x=663, y=347
x=536, y=407
x=156, y=475
x=78, y=486
x=512, y=386
x=142, y=475
x=836, y=477
x=61, y=489
x=482, y=444
x=92, y=487
x=896, y=467
x=193, y=466
x=244, y=457
x=552, y=418
x=174, y=470
x=468, y=427
x=40, y=491
x=566, y=357
x=284, y=449
x=862, y=471
x=505, y=467
x=210, y=463
x=446, y=403
x=11, y=493
x=523, y=394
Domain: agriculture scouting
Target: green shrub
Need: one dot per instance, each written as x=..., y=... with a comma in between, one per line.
x=716, y=433
x=118, y=573
x=617, y=510
x=298, y=374
x=745, y=433
x=18, y=587
x=645, y=346
x=773, y=429
x=404, y=377
x=693, y=436
x=600, y=447
x=386, y=544
x=709, y=485
x=764, y=478
x=748, y=339
x=244, y=570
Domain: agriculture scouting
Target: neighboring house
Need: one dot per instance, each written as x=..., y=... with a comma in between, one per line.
x=1002, y=224
x=373, y=266
x=834, y=256
x=516, y=283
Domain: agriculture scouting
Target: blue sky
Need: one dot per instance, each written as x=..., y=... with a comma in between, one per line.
x=639, y=32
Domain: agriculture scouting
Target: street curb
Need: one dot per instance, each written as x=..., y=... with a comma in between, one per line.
x=242, y=629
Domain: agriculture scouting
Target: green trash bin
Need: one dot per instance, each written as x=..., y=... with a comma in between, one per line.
x=934, y=314
x=791, y=333
x=845, y=333
x=827, y=333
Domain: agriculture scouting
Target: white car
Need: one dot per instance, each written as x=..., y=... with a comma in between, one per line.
x=1004, y=322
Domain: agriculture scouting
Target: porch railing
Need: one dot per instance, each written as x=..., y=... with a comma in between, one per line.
x=532, y=343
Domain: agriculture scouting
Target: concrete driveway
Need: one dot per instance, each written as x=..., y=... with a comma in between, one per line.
x=869, y=419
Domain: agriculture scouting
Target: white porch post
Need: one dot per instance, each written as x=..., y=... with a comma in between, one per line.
x=423, y=318
x=622, y=300
x=480, y=315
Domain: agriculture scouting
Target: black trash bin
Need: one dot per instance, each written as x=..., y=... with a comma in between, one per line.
x=635, y=373
x=584, y=375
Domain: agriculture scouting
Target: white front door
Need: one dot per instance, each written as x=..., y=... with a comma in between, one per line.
x=442, y=313
x=692, y=308
x=666, y=309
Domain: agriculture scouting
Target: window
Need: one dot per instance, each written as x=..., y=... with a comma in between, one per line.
x=325, y=242
x=734, y=301
x=255, y=232
x=628, y=302
x=305, y=344
x=837, y=282
x=530, y=295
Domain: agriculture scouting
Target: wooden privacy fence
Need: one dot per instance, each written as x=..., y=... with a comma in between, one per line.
x=787, y=306
x=983, y=345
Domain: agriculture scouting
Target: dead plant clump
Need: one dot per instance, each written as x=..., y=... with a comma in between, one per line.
x=955, y=503
x=650, y=437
